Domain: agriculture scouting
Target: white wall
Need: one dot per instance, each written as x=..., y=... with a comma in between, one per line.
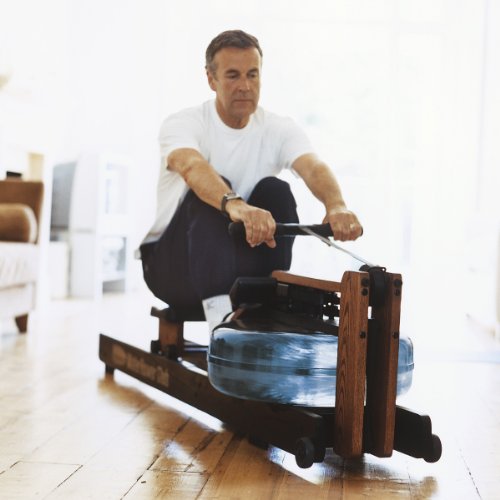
x=399, y=96
x=483, y=244
x=33, y=105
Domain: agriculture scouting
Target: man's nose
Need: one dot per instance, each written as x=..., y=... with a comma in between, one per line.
x=244, y=84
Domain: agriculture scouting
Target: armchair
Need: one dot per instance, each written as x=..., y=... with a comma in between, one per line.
x=20, y=210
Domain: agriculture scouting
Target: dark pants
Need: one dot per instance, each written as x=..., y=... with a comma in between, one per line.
x=196, y=258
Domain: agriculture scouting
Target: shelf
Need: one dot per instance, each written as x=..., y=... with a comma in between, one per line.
x=99, y=225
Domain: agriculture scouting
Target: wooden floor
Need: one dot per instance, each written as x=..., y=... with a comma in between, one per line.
x=67, y=431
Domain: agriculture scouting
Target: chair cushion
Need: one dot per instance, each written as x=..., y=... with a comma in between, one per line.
x=18, y=263
x=17, y=223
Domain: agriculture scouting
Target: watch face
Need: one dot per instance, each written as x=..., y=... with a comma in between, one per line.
x=228, y=197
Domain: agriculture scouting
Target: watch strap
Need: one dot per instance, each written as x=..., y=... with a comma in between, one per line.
x=228, y=197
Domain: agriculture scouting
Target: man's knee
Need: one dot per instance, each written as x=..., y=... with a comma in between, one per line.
x=273, y=186
x=275, y=195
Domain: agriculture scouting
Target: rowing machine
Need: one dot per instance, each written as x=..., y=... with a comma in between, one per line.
x=360, y=315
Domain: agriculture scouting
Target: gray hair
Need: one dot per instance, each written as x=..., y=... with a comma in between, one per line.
x=230, y=38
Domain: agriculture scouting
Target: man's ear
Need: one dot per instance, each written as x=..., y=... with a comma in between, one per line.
x=211, y=78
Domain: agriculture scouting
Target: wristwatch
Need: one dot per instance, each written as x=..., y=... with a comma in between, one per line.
x=228, y=197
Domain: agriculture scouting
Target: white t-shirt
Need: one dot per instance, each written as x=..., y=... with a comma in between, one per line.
x=268, y=144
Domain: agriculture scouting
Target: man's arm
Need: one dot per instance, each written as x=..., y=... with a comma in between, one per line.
x=323, y=184
x=209, y=186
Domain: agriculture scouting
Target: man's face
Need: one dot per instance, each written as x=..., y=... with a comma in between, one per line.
x=236, y=83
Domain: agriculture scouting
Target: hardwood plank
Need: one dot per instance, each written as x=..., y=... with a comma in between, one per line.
x=33, y=480
x=209, y=452
x=7, y=417
x=69, y=446
x=294, y=486
x=461, y=489
x=27, y=433
x=371, y=468
x=108, y=483
x=244, y=471
x=142, y=441
x=377, y=490
x=8, y=459
x=167, y=484
x=488, y=490
x=321, y=481
x=195, y=448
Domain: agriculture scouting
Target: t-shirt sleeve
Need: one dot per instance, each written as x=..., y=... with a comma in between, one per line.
x=294, y=143
x=180, y=130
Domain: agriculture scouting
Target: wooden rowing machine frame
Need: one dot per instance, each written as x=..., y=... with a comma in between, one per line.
x=365, y=418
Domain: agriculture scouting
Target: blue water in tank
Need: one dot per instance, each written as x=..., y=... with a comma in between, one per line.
x=284, y=367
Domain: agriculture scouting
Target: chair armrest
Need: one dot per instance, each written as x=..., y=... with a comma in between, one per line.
x=28, y=193
x=17, y=223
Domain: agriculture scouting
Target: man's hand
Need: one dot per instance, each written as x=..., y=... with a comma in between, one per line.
x=344, y=223
x=259, y=224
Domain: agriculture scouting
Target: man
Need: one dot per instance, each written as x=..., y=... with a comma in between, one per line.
x=219, y=164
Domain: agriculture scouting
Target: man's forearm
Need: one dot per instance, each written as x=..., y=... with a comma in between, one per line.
x=210, y=187
x=320, y=181
x=323, y=184
x=199, y=175
x=325, y=187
